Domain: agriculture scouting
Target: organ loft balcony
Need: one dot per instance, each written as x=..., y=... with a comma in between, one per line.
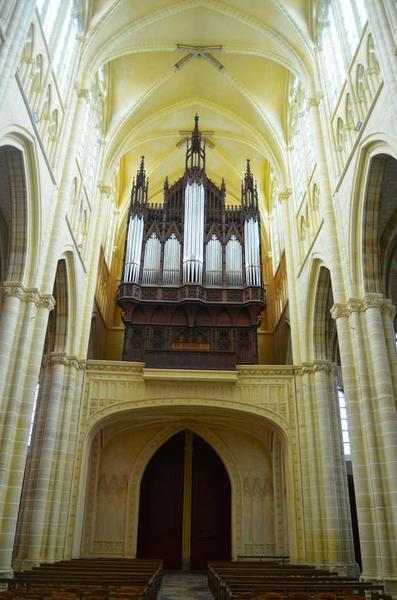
x=192, y=293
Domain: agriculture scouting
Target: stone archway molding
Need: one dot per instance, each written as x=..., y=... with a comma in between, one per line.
x=135, y=478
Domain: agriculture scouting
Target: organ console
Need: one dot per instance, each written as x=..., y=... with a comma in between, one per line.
x=191, y=291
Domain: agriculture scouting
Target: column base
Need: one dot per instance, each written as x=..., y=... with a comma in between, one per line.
x=24, y=564
x=344, y=569
x=389, y=583
x=5, y=573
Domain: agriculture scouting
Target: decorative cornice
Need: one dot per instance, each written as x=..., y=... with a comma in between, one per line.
x=265, y=370
x=17, y=290
x=115, y=366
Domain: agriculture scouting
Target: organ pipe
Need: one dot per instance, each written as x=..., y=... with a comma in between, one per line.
x=213, y=262
x=193, y=233
x=133, y=249
x=193, y=206
x=172, y=261
x=234, y=270
x=252, y=252
x=151, y=261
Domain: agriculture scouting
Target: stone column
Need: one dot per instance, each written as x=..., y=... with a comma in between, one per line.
x=368, y=374
x=14, y=30
x=68, y=442
x=327, y=207
x=291, y=267
x=329, y=540
x=18, y=397
x=48, y=473
x=65, y=189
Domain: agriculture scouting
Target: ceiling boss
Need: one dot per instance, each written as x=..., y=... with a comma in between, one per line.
x=199, y=52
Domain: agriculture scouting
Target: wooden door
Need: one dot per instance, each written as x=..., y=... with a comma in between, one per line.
x=161, y=505
x=211, y=507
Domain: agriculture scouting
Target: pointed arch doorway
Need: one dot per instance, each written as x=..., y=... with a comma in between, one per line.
x=185, y=505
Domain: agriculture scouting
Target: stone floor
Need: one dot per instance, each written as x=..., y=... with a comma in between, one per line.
x=184, y=586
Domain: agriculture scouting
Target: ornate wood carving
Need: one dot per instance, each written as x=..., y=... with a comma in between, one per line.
x=178, y=314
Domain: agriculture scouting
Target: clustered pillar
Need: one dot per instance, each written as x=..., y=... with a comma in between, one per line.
x=22, y=329
x=327, y=526
x=365, y=331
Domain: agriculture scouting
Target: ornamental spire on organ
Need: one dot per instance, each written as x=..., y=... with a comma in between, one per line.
x=192, y=290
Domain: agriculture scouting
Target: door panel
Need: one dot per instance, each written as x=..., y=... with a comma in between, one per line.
x=211, y=513
x=161, y=504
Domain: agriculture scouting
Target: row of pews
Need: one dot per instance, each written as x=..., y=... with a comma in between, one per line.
x=87, y=579
x=275, y=581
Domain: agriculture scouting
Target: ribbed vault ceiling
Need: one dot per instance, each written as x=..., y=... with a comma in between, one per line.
x=264, y=43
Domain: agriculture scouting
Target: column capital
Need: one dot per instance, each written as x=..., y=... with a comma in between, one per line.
x=373, y=301
x=362, y=304
x=64, y=359
x=105, y=188
x=81, y=92
x=285, y=195
x=339, y=311
x=17, y=290
x=46, y=301
x=314, y=101
x=316, y=366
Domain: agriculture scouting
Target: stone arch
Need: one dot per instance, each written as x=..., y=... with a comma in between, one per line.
x=142, y=461
x=101, y=413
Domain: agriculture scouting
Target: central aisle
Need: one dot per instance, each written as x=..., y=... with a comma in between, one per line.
x=184, y=586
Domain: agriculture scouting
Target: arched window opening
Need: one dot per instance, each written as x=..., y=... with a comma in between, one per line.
x=33, y=412
x=89, y=151
x=62, y=27
x=344, y=423
x=276, y=225
x=340, y=27
x=301, y=140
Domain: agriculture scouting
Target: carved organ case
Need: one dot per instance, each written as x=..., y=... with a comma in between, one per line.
x=191, y=291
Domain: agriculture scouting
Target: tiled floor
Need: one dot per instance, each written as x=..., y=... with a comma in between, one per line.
x=184, y=586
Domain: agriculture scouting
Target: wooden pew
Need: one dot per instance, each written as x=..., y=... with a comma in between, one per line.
x=91, y=578
x=229, y=580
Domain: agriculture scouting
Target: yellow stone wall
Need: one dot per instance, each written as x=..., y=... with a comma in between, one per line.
x=81, y=400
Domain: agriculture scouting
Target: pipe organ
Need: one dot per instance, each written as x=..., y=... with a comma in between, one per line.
x=191, y=291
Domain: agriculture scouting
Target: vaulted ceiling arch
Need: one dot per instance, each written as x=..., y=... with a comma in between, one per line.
x=229, y=61
x=237, y=131
x=107, y=38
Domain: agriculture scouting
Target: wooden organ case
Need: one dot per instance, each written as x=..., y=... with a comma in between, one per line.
x=191, y=292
